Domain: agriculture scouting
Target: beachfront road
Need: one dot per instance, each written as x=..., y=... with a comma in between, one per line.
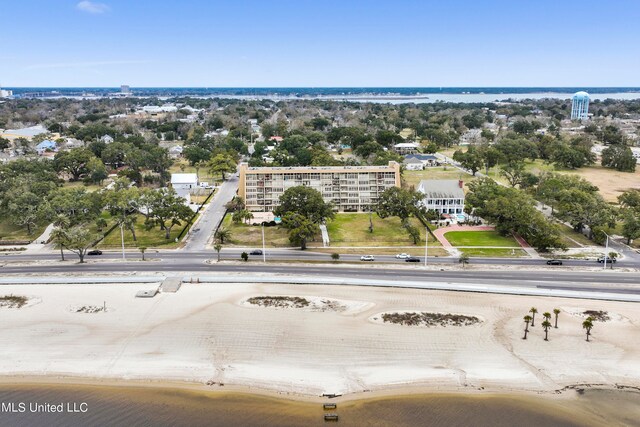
x=309, y=255
x=590, y=281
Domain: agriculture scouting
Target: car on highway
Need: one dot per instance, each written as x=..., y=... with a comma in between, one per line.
x=255, y=252
x=609, y=259
x=412, y=259
x=554, y=262
x=403, y=256
x=367, y=258
x=94, y=252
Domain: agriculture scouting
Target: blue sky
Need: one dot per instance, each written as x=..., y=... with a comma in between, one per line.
x=268, y=43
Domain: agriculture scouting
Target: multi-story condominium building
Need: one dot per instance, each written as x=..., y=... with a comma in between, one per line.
x=350, y=188
x=445, y=196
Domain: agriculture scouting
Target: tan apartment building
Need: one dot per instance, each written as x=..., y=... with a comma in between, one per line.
x=350, y=188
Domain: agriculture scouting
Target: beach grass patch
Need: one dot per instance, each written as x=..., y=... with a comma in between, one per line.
x=279, y=301
x=429, y=319
x=13, y=301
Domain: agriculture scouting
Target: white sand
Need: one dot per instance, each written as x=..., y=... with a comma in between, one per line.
x=204, y=333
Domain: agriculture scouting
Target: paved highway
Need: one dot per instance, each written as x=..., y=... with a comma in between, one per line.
x=609, y=281
x=309, y=255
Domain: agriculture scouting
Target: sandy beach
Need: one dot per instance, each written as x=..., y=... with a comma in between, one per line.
x=208, y=335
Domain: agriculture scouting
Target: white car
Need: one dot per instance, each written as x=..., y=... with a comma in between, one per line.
x=367, y=258
x=403, y=256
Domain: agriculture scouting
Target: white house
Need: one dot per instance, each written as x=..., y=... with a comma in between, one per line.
x=406, y=148
x=175, y=151
x=154, y=109
x=183, y=183
x=107, y=139
x=419, y=161
x=445, y=196
x=412, y=164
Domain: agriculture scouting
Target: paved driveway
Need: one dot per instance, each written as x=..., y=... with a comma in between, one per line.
x=212, y=216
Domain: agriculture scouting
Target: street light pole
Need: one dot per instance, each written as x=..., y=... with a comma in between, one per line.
x=606, y=251
x=426, y=246
x=122, y=238
x=264, y=249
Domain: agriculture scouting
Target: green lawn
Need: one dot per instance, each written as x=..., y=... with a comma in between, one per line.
x=573, y=239
x=494, y=252
x=352, y=229
x=413, y=250
x=153, y=238
x=9, y=231
x=347, y=229
x=251, y=236
x=480, y=238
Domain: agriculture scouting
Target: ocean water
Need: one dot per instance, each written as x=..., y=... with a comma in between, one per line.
x=363, y=94
x=153, y=406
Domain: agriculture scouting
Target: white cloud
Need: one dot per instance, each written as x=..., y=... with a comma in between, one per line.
x=92, y=7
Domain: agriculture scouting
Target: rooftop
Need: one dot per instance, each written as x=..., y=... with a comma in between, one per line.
x=421, y=157
x=390, y=166
x=184, y=178
x=441, y=188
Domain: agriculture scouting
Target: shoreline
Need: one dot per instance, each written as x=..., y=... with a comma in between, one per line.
x=396, y=391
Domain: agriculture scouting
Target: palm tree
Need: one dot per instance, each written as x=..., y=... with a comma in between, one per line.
x=222, y=234
x=527, y=319
x=142, y=249
x=58, y=235
x=588, y=324
x=546, y=315
x=533, y=311
x=61, y=222
x=464, y=260
x=218, y=248
x=546, y=325
x=556, y=311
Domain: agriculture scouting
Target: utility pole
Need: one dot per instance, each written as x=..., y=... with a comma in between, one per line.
x=264, y=249
x=426, y=246
x=122, y=238
x=606, y=251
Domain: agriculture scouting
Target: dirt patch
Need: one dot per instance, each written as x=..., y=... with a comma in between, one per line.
x=429, y=319
x=610, y=182
x=13, y=301
x=598, y=315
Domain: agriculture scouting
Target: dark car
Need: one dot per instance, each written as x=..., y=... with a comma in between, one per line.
x=554, y=262
x=94, y=252
x=255, y=252
x=412, y=259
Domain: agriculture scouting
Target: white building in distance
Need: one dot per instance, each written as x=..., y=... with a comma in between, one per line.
x=580, y=106
x=183, y=183
x=445, y=196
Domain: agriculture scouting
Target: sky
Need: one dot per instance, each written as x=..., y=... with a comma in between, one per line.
x=322, y=43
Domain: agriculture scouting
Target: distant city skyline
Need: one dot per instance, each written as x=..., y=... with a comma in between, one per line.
x=333, y=43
